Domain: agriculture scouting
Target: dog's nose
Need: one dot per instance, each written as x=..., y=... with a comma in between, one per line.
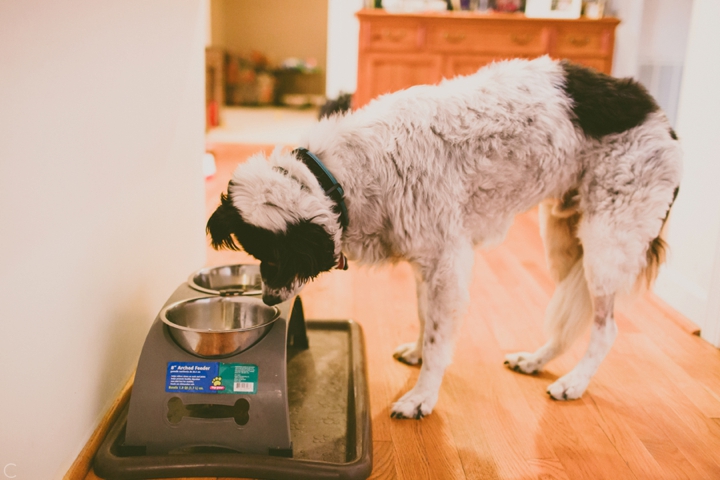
x=271, y=299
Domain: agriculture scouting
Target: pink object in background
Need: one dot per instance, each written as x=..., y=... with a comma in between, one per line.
x=213, y=114
x=507, y=5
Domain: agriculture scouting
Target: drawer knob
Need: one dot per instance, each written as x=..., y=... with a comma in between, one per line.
x=579, y=41
x=454, y=37
x=521, y=39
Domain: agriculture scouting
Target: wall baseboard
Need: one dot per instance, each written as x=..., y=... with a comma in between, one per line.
x=683, y=295
x=83, y=463
x=688, y=326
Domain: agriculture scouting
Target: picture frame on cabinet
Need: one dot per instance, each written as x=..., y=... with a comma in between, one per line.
x=553, y=8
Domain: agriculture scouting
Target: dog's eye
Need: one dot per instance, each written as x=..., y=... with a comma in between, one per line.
x=269, y=269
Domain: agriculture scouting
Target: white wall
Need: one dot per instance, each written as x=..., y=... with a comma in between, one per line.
x=664, y=30
x=101, y=206
x=342, y=47
x=627, y=36
x=663, y=42
x=694, y=234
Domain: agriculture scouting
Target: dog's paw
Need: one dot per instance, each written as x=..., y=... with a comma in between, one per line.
x=414, y=404
x=408, y=353
x=569, y=387
x=523, y=362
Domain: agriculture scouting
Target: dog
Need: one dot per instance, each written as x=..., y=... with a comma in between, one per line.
x=426, y=174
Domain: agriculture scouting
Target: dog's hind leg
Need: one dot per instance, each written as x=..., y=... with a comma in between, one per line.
x=615, y=253
x=628, y=186
x=567, y=316
x=604, y=331
x=445, y=280
x=570, y=310
x=411, y=353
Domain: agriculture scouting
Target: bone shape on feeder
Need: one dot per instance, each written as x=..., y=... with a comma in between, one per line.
x=177, y=410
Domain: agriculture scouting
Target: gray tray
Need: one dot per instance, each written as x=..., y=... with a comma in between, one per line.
x=329, y=422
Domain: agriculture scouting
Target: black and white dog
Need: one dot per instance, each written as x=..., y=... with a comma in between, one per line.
x=432, y=171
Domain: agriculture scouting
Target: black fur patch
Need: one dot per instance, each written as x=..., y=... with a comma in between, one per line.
x=602, y=104
x=303, y=251
x=673, y=135
x=222, y=225
x=340, y=105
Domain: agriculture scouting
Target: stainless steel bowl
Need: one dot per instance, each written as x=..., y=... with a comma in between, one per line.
x=218, y=326
x=240, y=279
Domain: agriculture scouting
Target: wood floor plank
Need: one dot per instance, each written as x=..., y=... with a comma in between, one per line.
x=629, y=376
x=657, y=402
x=471, y=440
x=571, y=431
x=412, y=461
x=682, y=348
x=440, y=448
x=678, y=377
x=693, y=447
x=616, y=425
x=671, y=460
x=384, y=467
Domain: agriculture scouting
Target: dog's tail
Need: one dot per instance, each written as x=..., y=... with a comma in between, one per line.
x=570, y=310
x=340, y=105
x=657, y=252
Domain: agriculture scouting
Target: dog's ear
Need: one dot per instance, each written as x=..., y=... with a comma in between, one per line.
x=225, y=221
x=310, y=249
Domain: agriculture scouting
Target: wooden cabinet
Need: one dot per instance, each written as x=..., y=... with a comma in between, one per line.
x=401, y=50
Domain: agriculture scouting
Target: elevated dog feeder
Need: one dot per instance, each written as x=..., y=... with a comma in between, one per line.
x=227, y=386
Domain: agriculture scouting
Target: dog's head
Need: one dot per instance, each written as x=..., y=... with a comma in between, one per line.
x=277, y=212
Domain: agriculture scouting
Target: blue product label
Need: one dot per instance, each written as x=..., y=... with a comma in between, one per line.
x=211, y=377
x=190, y=377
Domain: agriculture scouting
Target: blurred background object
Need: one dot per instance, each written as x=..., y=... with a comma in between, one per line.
x=594, y=9
x=249, y=79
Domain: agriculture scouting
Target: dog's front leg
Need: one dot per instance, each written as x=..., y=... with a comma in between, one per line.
x=411, y=353
x=445, y=280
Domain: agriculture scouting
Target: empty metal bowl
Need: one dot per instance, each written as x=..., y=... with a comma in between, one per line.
x=242, y=279
x=219, y=326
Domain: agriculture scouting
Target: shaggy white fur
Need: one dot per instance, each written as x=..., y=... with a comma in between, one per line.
x=432, y=171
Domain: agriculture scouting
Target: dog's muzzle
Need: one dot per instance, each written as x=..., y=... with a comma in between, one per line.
x=270, y=299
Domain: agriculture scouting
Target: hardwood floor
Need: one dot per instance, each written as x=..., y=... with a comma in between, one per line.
x=651, y=412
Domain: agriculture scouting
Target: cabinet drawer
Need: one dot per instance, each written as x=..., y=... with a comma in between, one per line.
x=466, y=64
x=393, y=37
x=600, y=64
x=492, y=39
x=394, y=72
x=573, y=41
